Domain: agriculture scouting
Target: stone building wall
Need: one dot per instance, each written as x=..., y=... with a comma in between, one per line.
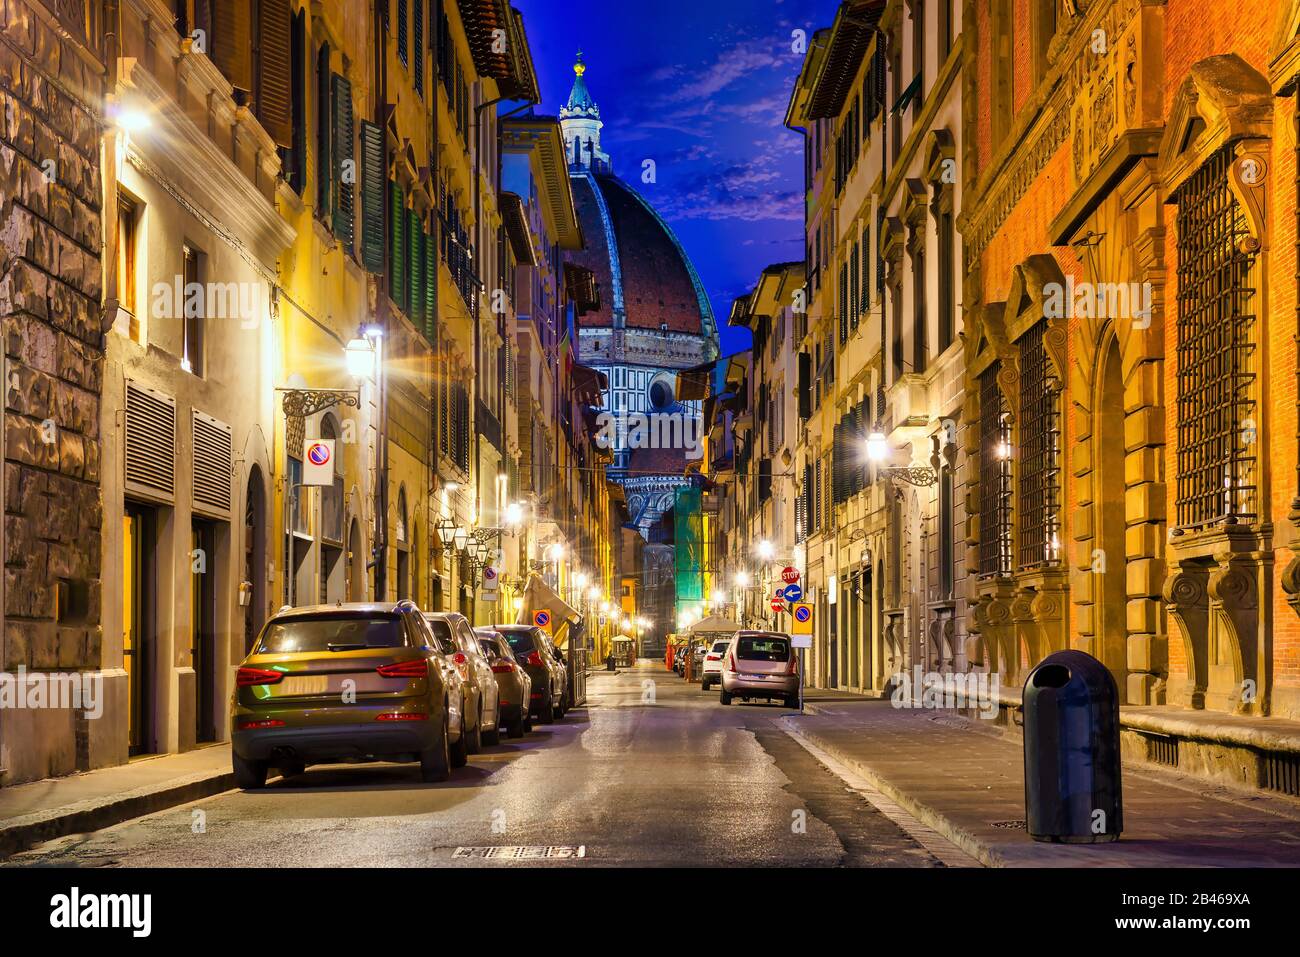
x=51, y=91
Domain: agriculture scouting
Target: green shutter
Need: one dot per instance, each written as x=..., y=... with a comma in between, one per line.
x=372, y=196
x=430, y=287
x=397, y=245
x=415, y=267
x=345, y=173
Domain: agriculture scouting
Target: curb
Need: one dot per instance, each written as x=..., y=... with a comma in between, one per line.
x=21, y=833
x=964, y=839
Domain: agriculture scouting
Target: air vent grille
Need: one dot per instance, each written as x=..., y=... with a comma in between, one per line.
x=212, y=463
x=150, y=439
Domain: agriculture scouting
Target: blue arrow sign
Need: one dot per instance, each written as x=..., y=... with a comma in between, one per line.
x=793, y=592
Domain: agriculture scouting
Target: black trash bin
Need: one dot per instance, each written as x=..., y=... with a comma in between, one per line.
x=1072, y=771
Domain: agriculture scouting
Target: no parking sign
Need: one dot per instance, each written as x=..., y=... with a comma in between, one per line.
x=542, y=619
x=802, y=613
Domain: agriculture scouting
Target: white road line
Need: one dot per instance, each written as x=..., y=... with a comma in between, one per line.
x=930, y=839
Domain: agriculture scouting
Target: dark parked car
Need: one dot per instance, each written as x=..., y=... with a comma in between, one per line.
x=482, y=704
x=513, y=684
x=533, y=649
x=346, y=682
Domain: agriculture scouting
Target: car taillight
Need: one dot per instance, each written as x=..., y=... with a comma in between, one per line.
x=402, y=716
x=245, y=677
x=415, y=668
x=503, y=668
x=713, y=657
x=794, y=664
x=264, y=723
x=534, y=659
x=731, y=663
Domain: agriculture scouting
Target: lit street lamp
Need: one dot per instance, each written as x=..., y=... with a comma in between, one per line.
x=921, y=476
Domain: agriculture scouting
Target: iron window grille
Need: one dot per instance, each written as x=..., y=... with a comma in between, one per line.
x=1040, y=452
x=995, y=477
x=1216, y=354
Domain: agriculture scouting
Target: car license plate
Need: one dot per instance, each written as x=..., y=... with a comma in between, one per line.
x=306, y=684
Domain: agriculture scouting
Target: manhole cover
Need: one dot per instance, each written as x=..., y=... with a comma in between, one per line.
x=1009, y=825
x=522, y=852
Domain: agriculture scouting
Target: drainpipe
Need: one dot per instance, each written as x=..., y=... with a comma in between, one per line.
x=379, y=13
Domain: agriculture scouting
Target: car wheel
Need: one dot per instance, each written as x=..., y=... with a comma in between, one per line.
x=546, y=713
x=249, y=775
x=724, y=697
x=704, y=684
x=792, y=701
x=474, y=739
x=492, y=735
x=435, y=763
x=291, y=769
x=517, y=725
x=460, y=750
x=528, y=723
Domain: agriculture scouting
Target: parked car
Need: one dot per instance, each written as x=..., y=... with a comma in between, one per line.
x=482, y=701
x=532, y=648
x=697, y=656
x=566, y=699
x=711, y=666
x=514, y=687
x=345, y=682
x=760, y=664
x=679, y=661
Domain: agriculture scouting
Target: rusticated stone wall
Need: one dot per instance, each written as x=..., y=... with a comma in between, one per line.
x=51, y=101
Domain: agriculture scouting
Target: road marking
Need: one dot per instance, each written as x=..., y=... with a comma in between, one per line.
x=930, y=839
x=524, y=852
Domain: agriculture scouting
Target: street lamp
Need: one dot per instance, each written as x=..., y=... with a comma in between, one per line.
x=921, y=476
x=360, y=353
x=461, y=537
x=766, y=550
x=446, y=532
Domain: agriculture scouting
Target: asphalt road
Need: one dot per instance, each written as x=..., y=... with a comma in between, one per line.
x=651, y=772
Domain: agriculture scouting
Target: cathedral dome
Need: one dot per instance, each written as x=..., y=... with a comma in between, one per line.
x=647, y=282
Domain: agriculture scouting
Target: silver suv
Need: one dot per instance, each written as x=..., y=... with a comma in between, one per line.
x=760, y=664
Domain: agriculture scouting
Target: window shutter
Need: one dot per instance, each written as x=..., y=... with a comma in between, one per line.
x=344, y=160
x=372, y=197
x=415, y=269
x=418, y=46
x=274, y=97
x=230, y=43
x=430, y=287
x=323, y=177
x=403, y=50
x=397, y=245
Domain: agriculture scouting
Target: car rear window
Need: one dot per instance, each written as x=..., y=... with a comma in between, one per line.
x=757, y=648
x=520, y=639
x=442, y=634
x=720, y=646
x=332, y=633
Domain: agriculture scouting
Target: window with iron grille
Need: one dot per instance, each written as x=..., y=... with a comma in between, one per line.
x=1040, y=451
x=995, y=477
x=1216, y=360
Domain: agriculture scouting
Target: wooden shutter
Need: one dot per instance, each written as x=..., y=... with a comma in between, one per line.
x=415, y=278
x=212, y=457
x=342, y=137
x=403, y=47
x=430, y=287
x=415, y=257
x=397, y=244
x=372, y=196
x=417, y=47
x=274, y=104
x=150, y=441
x=231, y=43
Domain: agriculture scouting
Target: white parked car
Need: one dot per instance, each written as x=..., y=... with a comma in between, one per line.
x=711, y=670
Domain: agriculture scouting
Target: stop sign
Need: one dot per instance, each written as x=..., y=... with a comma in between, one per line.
x=790, y=575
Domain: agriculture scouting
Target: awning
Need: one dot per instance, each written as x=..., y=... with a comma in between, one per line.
x=515, y=220
x=509, y=63
x=588, y=385
x=693, y=383
x=714, y=625
x=855, y=23
x=539, y=596
x=582, y=288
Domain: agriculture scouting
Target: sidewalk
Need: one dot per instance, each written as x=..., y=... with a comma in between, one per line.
x=43, y=810
x=967, y=783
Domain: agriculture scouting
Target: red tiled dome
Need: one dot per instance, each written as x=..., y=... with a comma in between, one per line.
x=657, y=287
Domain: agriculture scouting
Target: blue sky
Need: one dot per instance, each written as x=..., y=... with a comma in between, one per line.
x=700, y=87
